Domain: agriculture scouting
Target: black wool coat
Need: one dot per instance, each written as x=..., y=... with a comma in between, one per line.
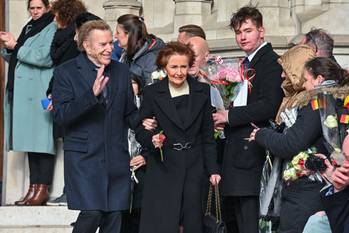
x=172, y=188
x=63, y=48
x=300, y=198
x=96, y=158
x=306, y=132
x=337, y=209
x=243, y=160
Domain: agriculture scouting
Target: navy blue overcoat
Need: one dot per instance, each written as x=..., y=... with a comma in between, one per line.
x=96, y=158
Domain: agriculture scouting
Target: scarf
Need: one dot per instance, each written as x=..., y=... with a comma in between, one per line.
x=32, y=28
x=63, y=47
x=292, y=62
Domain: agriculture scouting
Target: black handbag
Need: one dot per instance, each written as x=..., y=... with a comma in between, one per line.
x=213, y=224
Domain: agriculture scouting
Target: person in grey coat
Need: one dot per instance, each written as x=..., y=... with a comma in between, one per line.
x=140, y=48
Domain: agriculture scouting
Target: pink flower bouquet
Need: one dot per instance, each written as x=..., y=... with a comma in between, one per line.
x=226, y=76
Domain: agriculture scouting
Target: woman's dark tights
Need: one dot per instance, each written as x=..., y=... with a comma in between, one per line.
x=41, y=167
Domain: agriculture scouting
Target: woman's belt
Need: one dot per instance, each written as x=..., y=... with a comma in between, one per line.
x=179, y=146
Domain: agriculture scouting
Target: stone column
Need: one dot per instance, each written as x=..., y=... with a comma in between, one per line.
x=309, y=9
x=276, y=17
x=191, y=12
x=224, y=10
x=115, y=8
x=158, y=14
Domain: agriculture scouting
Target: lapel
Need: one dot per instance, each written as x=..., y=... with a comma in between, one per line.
x=85, y=70
x=266, y=48
x=113, y=83
x=259, y=55
x=89, y=76
x=197, y=99
x=164, y=101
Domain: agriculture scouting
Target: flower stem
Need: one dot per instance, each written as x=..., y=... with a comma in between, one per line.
x=161, y=152
x=161, y=155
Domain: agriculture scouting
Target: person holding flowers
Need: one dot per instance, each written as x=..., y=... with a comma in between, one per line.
x=243, y=161
x=300, y=196
x=335, y=197
x=173, y=181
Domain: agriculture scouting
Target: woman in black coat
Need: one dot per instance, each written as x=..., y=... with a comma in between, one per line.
x=63, y=47
x=300, y=197
x=182, y=108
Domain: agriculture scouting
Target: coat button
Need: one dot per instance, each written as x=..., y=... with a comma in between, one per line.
x=30, y=99
x=245, y=147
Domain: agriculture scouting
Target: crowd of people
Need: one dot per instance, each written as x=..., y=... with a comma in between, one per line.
x=138, y=121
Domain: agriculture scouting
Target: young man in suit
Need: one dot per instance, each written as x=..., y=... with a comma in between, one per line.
x=243, y=160
x=93, y=102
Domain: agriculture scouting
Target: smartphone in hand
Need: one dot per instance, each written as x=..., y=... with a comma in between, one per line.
x=45, y=103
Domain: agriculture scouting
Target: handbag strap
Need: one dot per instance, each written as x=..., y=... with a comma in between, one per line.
x=209, y=201
x=217, y=203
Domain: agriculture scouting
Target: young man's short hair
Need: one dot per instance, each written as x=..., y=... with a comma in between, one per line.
x=244, y=13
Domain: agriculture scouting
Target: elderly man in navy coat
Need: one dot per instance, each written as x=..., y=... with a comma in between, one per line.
x=93, y=101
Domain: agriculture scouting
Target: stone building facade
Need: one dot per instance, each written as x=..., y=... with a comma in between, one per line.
x=285, y=21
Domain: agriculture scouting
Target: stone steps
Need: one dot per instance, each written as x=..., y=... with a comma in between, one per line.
x=40, y=219
x=36, y=229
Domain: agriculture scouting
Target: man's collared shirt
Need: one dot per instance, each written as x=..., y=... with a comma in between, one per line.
x=250, y=57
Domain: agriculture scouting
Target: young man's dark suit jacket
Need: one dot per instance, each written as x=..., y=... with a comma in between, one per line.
x=337, y=210
x=243, y=160
x=96, y=158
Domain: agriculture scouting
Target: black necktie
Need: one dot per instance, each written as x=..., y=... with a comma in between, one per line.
x=246, y=63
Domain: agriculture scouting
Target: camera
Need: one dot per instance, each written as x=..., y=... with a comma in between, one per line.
x=315, y=163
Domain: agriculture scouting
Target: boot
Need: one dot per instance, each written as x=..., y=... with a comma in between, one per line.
x=30, y=194
x=40, y=196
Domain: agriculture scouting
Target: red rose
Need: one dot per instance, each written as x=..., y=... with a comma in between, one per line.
x=162, y=138
x=301, y=163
